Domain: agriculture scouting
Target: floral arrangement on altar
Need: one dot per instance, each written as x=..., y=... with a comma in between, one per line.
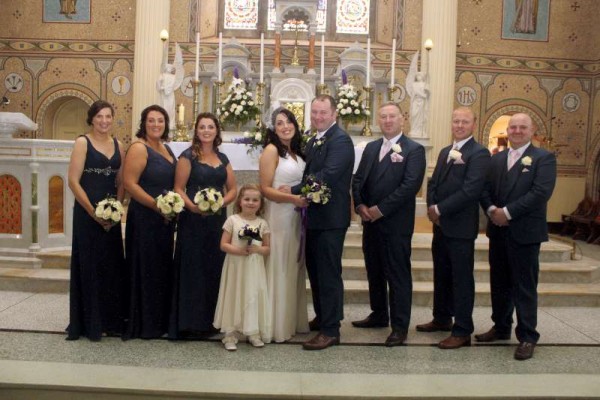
x=239, y=106
x=109, y=209
x=254, y=139
x=170, y=204
x=209, y=200
x=349, y=107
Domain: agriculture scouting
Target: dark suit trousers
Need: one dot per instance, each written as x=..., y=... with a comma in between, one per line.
x=387, y=258
x=514, y=270
x=453, y=281
x=324, y=266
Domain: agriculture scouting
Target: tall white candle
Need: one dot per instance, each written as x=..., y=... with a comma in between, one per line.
x=262, y=56
x=368, y=62
x=322, y=59
x=220, y=63
x=393, y=71
x=197, y=74
x=181, y=113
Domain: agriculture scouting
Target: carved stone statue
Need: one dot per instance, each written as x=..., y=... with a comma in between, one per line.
x=168, y=82
x=418, y=90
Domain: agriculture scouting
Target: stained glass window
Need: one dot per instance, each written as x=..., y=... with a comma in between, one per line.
x=352, y=16
x=321, y=15
x=241, y=14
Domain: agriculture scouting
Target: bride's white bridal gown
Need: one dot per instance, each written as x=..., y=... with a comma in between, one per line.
x=286, y=277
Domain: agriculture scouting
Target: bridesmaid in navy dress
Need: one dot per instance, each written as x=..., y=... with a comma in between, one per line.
x=97, y=265
x=198, y=258
x=149, y=171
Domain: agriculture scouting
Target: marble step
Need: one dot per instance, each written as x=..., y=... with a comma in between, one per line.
x=549, y=294
x=27, y=262
x=43, y=280
x=586, y=270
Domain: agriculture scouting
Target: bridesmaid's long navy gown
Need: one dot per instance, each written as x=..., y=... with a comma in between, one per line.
x=198, y=257
x=98, y=273
x=149, y=253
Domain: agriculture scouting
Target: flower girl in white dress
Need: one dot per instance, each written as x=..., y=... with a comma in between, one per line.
x=242, y=306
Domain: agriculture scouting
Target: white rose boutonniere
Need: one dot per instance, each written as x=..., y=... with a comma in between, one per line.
x=396, y=148
x=320, y=142
x=526, y=161
x=455, y=155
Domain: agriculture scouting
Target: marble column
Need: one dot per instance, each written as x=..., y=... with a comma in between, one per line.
x=311, y=53
x=151, y=16
x=439, y=25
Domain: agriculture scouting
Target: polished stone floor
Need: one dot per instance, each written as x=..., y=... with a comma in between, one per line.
x=34, y=355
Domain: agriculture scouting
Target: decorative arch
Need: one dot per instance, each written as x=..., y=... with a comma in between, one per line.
x=46, y=104
x=293, y=90
x=510, y=109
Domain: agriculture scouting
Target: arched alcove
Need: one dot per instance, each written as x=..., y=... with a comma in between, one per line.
x=62, y=103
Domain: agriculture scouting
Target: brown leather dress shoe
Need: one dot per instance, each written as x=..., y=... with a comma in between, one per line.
x=454, y=342
x=396, y=338
x=320, y=342
x=314, y=325
x=491, y=336
x=370, y=322
x=434, y=326
x=524, y=351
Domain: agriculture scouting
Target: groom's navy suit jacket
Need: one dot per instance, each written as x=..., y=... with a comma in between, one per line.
x=331, y=162
x=524, y=191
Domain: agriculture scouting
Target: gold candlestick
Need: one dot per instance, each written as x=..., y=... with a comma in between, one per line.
x=321, y=88
x=367, y=129
x=195, y=84
x=391, y=90
x=181, y=133
x=260, y=89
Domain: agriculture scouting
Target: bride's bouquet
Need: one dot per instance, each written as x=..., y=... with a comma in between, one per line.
x=110, y=210
x=316, y=191
x=349, y=107
x=250, y=234
x=239, y=106
x=170, y=204
x=209, y=200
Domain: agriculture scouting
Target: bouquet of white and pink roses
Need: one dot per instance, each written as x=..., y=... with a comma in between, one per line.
x=170, y=204
x=209, y=200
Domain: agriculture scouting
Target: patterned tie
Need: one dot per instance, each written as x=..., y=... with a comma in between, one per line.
x=513, y=156
x=387, y=145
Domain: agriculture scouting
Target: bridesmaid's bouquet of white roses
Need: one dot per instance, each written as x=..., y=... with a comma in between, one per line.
x=250, y=234
x=209, y=200
x=170, y=204
x=316, y=191
x=110, y=210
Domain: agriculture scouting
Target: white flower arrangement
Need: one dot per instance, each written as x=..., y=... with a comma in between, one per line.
x=209, y=200
x=109, y=209
x=170, y=204
x=239, y=105
x=526, y=161
x=255, y=139
x=349, y=107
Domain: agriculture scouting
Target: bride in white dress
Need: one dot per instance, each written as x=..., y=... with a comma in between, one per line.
x=281, y=164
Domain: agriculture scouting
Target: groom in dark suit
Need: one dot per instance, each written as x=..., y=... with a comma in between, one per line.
x=384, y=189
x=519, y=185
x=330, y=159
x=453, y=206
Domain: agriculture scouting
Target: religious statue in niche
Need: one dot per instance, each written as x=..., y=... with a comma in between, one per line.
x=168, y=82
x=418, y=90
x=525, y=16
x=68, y=8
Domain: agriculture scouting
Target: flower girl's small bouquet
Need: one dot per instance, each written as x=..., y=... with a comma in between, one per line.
x=170, y=204
x=316, y=191
x=251, y=234
x=110, y=210
x=239, y=106
x=209, y=200
x=255, y=139
x=349, y=107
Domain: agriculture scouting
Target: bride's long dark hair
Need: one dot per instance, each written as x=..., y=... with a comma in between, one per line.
x=296, y=142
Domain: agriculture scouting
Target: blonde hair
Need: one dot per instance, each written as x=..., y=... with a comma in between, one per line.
x=237, y=207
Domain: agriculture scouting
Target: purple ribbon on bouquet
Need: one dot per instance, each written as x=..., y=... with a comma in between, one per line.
x=303, y=226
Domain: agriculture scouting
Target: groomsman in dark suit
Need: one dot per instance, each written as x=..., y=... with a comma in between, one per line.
x=453, y=206
x=384, y=189
x=330, y=158
x=519, y=185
